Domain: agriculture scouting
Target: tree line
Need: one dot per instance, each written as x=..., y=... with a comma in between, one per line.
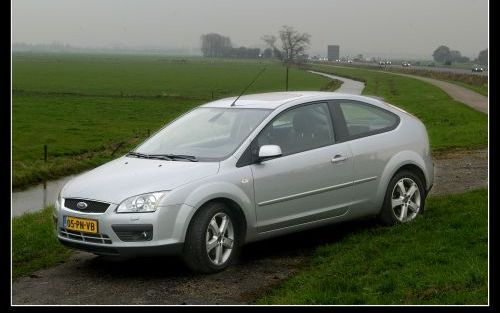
x=292, y=49
x=215, y=45
x=445, y=55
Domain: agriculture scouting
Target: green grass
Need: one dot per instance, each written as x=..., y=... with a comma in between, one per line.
x=450, y=124
x=476, y=83
x=80, y=132
x=34, y=243
x=151, y=75
x=440, y=258
x=83, y=106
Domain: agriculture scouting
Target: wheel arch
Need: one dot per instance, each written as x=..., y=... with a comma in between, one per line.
x=233, y=206
x=409, y=160
x=232, y=195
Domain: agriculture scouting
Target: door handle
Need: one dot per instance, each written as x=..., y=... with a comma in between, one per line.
x=339, y=158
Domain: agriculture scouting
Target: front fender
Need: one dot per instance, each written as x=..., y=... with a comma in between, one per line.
x=204, y=193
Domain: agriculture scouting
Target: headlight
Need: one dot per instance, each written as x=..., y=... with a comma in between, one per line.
x=147, y=202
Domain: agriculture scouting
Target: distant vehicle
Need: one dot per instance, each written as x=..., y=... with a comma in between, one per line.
x=477, y=69
x=382, y=63
x=406, y=64
x=349, y=61
x=388, y=63
x=337, y=60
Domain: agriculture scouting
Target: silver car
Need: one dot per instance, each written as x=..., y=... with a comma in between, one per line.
x=231, y=172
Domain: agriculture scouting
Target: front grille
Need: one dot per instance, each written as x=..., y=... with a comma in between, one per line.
x=92, y=206
x=76, y=235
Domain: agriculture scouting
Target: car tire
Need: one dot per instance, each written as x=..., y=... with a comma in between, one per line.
x=404, y=199
x=205, y=250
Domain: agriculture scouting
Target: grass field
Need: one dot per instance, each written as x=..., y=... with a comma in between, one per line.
x=84, y=106
x=37, y=248
x=440, y=258
x=450, y=124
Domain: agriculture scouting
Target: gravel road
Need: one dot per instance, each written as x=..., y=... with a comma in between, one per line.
x=89, y=279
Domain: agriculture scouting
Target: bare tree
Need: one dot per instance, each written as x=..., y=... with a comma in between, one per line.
x=293, y=46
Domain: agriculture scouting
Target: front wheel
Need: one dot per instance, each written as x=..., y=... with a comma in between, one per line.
x=404, y=199
x=212, y=240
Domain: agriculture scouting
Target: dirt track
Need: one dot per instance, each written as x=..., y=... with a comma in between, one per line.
x=88, y=279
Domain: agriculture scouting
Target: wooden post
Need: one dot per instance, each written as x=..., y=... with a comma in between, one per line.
x=286, y=84
x=212, y=94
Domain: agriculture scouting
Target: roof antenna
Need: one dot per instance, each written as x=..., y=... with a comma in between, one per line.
x=253, y=81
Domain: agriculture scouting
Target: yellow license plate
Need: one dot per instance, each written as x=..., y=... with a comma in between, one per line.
x=80, y=224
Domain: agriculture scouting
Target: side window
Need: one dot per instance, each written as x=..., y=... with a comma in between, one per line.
x=364, y=119
x=304, y=128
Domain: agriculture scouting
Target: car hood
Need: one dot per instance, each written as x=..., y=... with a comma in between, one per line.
x=129, y=176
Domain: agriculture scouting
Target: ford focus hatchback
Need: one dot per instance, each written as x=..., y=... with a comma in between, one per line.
x=231, y=172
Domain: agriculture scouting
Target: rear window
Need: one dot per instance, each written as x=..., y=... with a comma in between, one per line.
x=364, y=119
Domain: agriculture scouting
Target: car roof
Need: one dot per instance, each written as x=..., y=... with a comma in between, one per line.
x=273, y=100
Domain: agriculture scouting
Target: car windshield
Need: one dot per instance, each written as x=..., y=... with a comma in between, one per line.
x=204, y=134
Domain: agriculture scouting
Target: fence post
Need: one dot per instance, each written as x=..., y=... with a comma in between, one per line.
x=212, y=94
x=286, y=84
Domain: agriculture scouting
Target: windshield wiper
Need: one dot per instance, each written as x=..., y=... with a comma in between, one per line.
x=168, y=157
x=150, y=156
x=139, y=155
x=190, y=158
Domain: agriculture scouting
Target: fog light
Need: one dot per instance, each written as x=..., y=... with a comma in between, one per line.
x=143, y=232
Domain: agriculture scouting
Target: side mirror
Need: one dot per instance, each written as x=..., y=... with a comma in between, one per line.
x=267, y=152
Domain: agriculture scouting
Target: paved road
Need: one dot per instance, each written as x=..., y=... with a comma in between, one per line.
x=423, y=68
x=458, y=93
x=348, y=85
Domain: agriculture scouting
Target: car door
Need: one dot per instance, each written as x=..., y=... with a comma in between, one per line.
x=312, y=180
x=367, y=128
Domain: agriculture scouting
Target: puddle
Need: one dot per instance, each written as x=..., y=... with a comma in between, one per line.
x=36, y=198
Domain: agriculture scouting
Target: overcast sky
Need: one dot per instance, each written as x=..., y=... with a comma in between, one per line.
x=406, y=27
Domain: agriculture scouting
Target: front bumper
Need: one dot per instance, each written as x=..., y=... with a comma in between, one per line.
x=118, y=233
x=168, y=249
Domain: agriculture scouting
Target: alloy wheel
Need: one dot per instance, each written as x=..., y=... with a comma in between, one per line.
x=406, y=199
x=219, y=238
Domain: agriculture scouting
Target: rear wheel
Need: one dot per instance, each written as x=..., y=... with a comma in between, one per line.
x=404, y=199
x=212, y=241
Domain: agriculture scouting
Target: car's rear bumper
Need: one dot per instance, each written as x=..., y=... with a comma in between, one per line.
x=168, y=249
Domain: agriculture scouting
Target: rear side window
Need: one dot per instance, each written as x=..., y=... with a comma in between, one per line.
x=364, y=119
